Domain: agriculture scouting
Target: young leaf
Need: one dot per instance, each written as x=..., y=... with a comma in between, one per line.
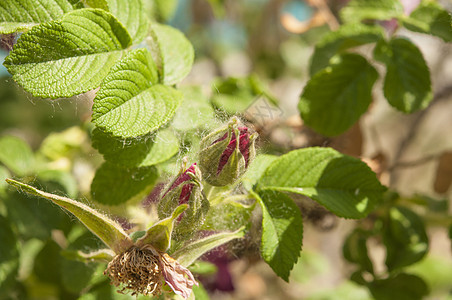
x=113, y=185
x=430, y=18
x=66, y=57
x=347, y=36
x=335, y=98
x=405, y=238
x=407, y=85
x=282, y=232
x=172, y=52
x=16, y=155
x=402, y=286
x=107, y=230
x=344, y=185
x=358, y=10
x=21, y=15
x=159, y=234
x=132, y=14
x=192, y=251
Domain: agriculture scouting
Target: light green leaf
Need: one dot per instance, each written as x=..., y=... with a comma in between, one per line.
x=346, y=37
x=113, y=185
x=102, y=255
x=227, y=215
x=336, y=97
x=62, y=178
x=282, y=232
x=407, y=85
x=192, y=251
x=21, y=15
x=159, y=234
x=172, y=52
x=102, y=4
x=344, y=185
x=405, y=238
x=16, y=155
x=166, y=145
x=106, y=229
x=69, y=56
x=132, y=14
x=358, y=10
x=431, y=18
x=195, y=110
x=4, y=173
x=256, y=169
x=164, y=9
x=402, y=286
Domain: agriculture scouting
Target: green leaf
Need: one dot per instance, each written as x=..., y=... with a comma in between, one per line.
x=128, y=103
x=407, y=85
x=102, y=255
x=199, y=292
x=172, y=52
x=344, y=185
x=21, y=15
x=227, y=215
x=9, y=254
x=113, y=185
x=107, y=230
x=165, y=9
x=355, y=249
x=159, y=234
x=4, y=173
x=166, y=145
x=192, y=251
x=282, y=232
x=132, y=14
x=336, y=97
x=102, y=4
x=430, y=18
x=405, y=238
x=256, y=169
x=346, y=37
x=358, y=10
x=70, y=56
x=402, y=286
x=195, y=110
x=63, y=179
x=16, y=155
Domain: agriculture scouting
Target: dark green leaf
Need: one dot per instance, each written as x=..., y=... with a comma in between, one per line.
x=346, y=37
x=344, y=185
x=282, y=232
x=358, y=10
x=405, y=238
x=9, y=254
x=430, y=18
x=336, y=97
x=172, y=52
x=401, y=287
x=66, y=57
x=48, y=259
x=21, y=15
x=16, y=155
x=355, y=250
x=407, y=85
x=113, y=185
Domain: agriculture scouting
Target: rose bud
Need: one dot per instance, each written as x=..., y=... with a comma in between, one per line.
x=186, y=188
x=226, y=153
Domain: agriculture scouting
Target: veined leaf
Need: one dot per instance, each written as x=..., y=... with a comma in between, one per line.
x=159, y=234
x=346, y=37
x=344, y=185
x=256, y=169
x=407, y=84
x=191, y=252
x=128, y=103
x=21, y=15
x=172, y=52
x=106, y=229
x=113, y=185
x=132, y=15
x=358, y=10
x=66, y=57
x=102, y=4
x=336, y=97
x=430, y=18
x=166, y=145
x=282, y=232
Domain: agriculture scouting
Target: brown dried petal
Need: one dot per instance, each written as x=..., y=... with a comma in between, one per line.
x=180, y=279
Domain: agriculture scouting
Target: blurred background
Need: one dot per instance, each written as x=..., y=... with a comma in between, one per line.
x=241, y=44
